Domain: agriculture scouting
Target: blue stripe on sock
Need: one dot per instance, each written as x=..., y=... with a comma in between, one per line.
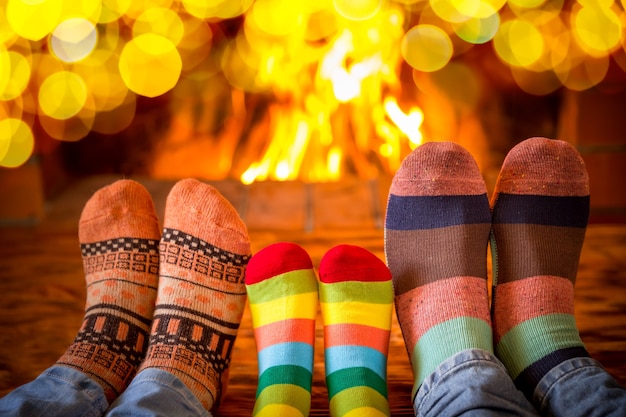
x=350, y=356
x=290, y=353
x=543, y=210
x=431, y=212
x=528, y=380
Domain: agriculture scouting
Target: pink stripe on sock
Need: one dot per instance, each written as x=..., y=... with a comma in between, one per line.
x=518, y=301
x=428, y=305
x=290, y=330
x=357, y=335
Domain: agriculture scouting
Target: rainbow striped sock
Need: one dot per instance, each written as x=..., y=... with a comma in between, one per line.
x=540, y=213
x=356, y=298
x=282, y=290
x=436, y=234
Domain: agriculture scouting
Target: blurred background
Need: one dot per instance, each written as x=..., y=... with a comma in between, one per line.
x=310, y=91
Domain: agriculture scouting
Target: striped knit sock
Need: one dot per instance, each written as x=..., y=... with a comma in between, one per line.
x=282, y=289
x=119, y=235
x=540, y=213
x=201, y=297
x=356, y=297
x=436, y=234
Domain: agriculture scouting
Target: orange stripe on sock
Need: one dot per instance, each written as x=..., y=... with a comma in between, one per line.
x=122, y=332
x=428, y=305
x=357, y=335
x=525, y=299
x=290, y=330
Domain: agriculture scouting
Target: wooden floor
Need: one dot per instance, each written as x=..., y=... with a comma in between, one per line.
x=42, y=286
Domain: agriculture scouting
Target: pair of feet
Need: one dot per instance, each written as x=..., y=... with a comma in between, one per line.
x=170, y=299
x=438, y=225
x=356, y=300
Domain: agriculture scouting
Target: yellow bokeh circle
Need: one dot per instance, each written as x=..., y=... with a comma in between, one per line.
x=16, y=142
x=426, y=48
x=150, y=65
x=62, y=95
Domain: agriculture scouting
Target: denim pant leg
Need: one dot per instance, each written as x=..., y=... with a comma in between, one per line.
x=471, y=383
x=58, y=392
x=580, y=387
x=157, y=393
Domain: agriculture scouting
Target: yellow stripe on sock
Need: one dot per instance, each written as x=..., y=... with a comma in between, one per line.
x=297, y=306
x=283, y=410
x=354, y=312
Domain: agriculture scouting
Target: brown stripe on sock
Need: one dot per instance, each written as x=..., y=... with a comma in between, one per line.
x=424, y=256
x=531, y=250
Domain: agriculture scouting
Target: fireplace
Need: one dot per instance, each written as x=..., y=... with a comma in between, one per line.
x=272, y=90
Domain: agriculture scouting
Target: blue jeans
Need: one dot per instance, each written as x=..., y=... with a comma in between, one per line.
x=65, y=392
x=475, y=383
x=471, y=383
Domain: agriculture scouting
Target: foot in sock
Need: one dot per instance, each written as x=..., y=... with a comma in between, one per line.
x=436, y=233
x=356, y=297
x=119, y=234
x=204, y=251
x=283, y=295
x=540, y=213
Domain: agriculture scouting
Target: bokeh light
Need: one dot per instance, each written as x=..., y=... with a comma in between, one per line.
x=68, y=68
x=426, y=48
x=62, y=95
x=150, y=65
x=16, y=142
x=73, y=39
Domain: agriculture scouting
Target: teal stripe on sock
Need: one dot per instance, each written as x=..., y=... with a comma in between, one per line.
x=536, y=338
x=446, y=339
x=354, y=377
x=285, y=374
x=289, y=353
x=349, y=356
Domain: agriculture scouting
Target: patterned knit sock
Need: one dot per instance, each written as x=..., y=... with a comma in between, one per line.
x=436, y=234
x=540, y=213
x=204, y=252
x=356, y=297
x=119, y=234
x=282, y=288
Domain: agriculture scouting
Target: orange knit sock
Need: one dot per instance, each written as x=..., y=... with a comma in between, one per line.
x=119, y=235
x=204, y=252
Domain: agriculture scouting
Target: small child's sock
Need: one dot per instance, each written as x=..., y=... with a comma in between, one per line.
x=119, y=234
x=436, y=234
x=282, y=289
x=204, y=251
x=540, y=213
x=356, y=297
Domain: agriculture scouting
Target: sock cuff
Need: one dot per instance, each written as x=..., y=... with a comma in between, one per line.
x=276, y=259
x=352, y=263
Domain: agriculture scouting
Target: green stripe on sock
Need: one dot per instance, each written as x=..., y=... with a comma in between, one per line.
x=349, y=377
x=294, y=282
x=535, y=338
x=446, y=339
x=368, y=292
x=351, y=398
x=285, y=374
x=292, y=395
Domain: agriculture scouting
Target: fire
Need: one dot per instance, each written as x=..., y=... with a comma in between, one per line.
x=279, y=89
x=342, y=113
